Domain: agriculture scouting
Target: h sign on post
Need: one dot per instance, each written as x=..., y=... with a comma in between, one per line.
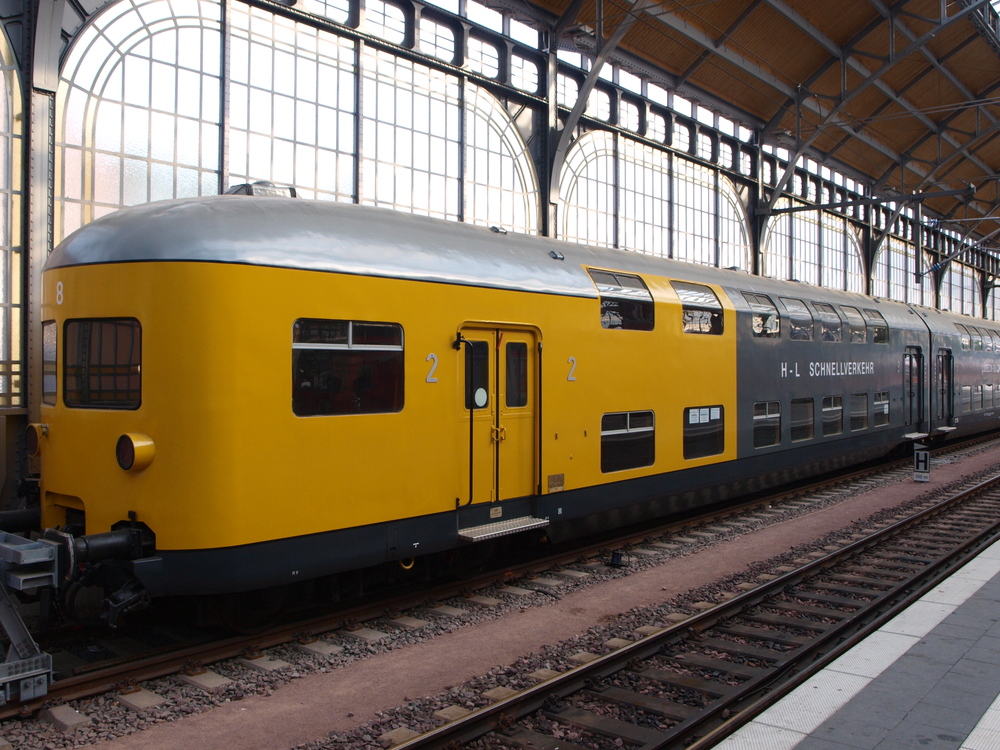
x=921, y=463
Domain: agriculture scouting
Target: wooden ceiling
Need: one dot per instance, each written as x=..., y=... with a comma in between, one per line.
x=905, y=93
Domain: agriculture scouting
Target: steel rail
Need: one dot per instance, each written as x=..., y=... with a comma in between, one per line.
x=762, y=693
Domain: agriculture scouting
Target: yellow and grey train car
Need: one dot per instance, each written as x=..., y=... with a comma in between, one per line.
x=244, y=392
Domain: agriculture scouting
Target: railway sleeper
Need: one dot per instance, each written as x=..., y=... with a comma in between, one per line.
x=606, y=726
x=733, y=669
x=710, y=688
x=865, y=570
x=747, y=650
x=528, y=739
x=650, y=703
x=880, y=583
x=769, y=636
x=805, y=609
x=765, y=618
x=837, y=588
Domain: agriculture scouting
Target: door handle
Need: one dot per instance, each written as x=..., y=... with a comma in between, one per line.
x=499, y=434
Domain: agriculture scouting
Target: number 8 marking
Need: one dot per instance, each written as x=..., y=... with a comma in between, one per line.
x=59, y=293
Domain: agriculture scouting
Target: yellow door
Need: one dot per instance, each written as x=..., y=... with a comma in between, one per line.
x=500, y=412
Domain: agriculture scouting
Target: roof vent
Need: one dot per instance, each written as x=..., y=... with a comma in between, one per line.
x=262, y=188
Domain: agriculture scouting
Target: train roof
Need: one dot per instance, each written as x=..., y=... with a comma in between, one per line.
x=365, y=240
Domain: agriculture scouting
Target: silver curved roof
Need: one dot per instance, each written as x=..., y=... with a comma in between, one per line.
x=353, y=239
x=363, y=240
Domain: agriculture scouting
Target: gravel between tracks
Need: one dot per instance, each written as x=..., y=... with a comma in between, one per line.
x=348, y=700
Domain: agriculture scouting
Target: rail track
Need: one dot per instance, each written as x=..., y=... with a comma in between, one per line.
x=691, y=684
x=105, y=672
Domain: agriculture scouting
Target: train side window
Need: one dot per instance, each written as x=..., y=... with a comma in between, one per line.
x=833, y=415
x=831, y=326
x=987, y=339
x=765, y=323
x=701, y=311
x=102, y=363
x=977, y=397
x=628, y=440
x=988, y=396
x=800, y=320
x=517, y=373
x=880, y=405
x=346, y=367
x=766, y=423
x=626, y=303
x=49, y=349
x=704, y=431
x=859, y=411
x=859, y=331
x=477, y=375
x=803, y=419
x=977, y=340
x=966, y=398
x=966, y=337
x=878, y=326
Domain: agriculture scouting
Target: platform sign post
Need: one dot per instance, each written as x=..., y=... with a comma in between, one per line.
x=921, y=463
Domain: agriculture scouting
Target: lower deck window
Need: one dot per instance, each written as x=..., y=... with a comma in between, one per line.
x=881, y=408
x=766, y=423
x=346, y=367
x=833, y=415
x=803, y=425
x=102, y=363
x=859, y=411
x=628, y=440
x=704, y=431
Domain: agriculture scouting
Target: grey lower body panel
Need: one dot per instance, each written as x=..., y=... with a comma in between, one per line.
x=287, y=561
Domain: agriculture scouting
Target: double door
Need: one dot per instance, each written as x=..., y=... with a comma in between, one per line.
x=500, y=416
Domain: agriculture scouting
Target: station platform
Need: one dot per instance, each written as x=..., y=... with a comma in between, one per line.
x=927, y=680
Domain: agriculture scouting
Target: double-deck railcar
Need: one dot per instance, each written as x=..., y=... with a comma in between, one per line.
x=253, y=392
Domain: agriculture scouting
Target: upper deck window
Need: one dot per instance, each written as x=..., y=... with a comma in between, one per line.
x=966, y=337
x=625, y=301
x=701, y=311
x=346, y=367
x=765, y=323
x=859, y=331
x=831, y=326
x=880, y=329
x=102, y=363
x=800, y=320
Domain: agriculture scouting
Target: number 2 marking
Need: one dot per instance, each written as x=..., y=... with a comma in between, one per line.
x=572, y=370
x=430, y=376
x=59, y=293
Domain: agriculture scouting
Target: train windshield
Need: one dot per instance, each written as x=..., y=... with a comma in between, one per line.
x=102, y=360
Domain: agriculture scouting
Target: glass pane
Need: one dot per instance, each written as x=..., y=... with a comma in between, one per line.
x=517, y=373
x=477, y=375
x=101, y=363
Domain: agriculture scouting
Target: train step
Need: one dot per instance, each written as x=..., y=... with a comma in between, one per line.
x=501, y=528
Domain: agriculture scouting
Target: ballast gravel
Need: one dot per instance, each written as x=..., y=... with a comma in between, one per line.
x=349, y=700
